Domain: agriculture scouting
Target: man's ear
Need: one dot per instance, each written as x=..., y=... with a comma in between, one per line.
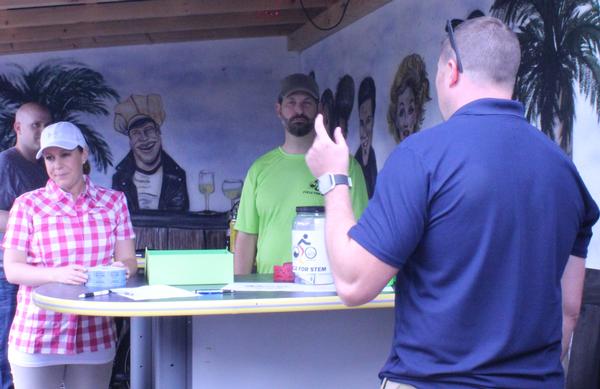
x=278, y=109
x=453, y=73
x=17, y=127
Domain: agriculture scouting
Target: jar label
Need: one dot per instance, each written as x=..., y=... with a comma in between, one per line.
x=309, y=257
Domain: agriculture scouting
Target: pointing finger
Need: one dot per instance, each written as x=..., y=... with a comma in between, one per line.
x=320, y=130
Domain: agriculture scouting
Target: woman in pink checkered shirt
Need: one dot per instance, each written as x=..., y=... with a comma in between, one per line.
x=53, y=235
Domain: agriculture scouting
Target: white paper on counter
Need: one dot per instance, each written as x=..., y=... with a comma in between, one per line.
x=153, y=292
x=284, y=287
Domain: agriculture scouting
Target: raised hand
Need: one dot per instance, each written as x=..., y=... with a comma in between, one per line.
x=326, y=155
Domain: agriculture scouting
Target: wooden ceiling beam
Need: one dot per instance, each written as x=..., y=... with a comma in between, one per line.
x=132, y=11
x=308, y=35
x=144, y=39
x=16, y=4
x=149, y=26
x=217, y=34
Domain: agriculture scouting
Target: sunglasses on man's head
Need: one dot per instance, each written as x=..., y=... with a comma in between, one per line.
x=450, y=31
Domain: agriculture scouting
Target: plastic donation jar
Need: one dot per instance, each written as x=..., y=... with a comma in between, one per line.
x=309, y=253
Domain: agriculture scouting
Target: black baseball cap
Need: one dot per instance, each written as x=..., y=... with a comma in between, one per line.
x=299, y=82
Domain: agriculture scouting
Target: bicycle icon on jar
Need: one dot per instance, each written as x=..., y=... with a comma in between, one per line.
x=304, y=248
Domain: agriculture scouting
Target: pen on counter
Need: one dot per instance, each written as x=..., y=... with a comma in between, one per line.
x=213, y=291
x=94, y=294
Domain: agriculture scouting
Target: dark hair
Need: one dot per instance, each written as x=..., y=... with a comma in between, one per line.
x=366, y=91
x=344, y=98
x=87, y=168
x=328, y=103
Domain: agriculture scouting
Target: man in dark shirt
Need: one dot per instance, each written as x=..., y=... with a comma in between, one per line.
x=20, y=172
x=485, y=222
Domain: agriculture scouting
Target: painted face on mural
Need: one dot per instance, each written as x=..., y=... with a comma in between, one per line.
x=406, y=114
x=145, y=142
x=365, y=115
x=65, y=167
x=298, y=112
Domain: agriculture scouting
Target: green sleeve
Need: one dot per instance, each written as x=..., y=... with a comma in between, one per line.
x=247, y=216
x=358, y=193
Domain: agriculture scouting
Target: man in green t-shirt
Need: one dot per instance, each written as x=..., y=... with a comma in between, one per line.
x=280, y=180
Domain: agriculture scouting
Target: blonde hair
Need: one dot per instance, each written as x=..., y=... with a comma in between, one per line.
x=411, y=74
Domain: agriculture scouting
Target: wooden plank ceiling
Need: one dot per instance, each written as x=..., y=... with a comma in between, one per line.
x=46, y=25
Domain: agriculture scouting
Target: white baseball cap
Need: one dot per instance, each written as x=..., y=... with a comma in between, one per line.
x=62, y=134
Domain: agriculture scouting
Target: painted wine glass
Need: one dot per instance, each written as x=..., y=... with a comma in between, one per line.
x=232, y=189
x=206, y=185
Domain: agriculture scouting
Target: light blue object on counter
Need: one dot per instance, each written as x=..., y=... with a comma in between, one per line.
x=106, y=277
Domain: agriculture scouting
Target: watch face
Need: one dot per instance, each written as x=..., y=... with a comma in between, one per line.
x=340, y=179
x=325, y=183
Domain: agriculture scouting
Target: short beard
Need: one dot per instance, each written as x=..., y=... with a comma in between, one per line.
x=300, y=130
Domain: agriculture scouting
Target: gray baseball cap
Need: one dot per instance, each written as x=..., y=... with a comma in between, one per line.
x=299, y=82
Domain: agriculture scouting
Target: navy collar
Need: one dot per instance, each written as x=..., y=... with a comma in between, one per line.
x=490, y=106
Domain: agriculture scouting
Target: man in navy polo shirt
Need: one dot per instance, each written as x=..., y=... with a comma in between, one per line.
x=484, y=220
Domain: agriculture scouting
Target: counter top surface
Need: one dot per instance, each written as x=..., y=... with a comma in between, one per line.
x=64, y=298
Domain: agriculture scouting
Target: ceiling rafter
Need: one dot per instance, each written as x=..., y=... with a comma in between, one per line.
x=47, y=25
x=150, y=25
x=133, y=10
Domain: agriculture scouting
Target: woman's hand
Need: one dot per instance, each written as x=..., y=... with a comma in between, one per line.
x=122, y=264
x=70, y=274
x=125, y=256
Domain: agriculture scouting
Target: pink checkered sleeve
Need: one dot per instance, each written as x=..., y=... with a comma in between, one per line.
x=124, y=228
x=19, y=227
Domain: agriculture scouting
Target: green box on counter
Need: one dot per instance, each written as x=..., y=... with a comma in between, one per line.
x=189, y=267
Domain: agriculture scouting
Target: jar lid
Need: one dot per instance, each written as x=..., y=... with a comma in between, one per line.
x=317, y=208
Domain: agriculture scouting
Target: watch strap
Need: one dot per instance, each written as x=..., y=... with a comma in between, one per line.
x=329, y=181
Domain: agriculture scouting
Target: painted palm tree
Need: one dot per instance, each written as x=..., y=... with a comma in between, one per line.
x=69, y=89
x=559, y=43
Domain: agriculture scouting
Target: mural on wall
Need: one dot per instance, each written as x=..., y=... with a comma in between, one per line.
x=408, y=94
x=218, y=111
x=149, y=177
x=559, y=40
x=344, y=101
x=69, y=89
x=365, y=155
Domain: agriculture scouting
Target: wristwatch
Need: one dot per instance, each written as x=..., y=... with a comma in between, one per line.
x=328, y=181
